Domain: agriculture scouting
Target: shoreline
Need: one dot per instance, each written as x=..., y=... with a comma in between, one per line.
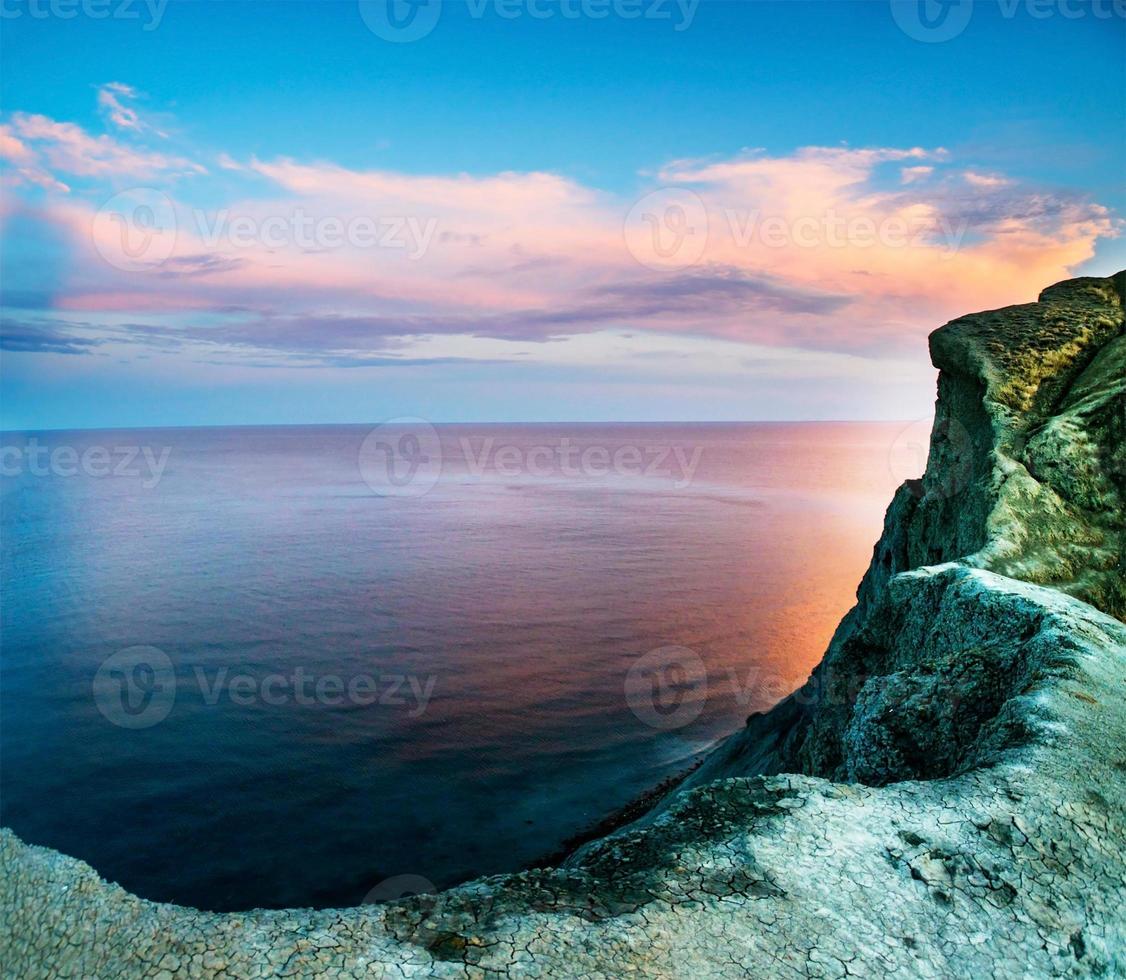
x=635, y=809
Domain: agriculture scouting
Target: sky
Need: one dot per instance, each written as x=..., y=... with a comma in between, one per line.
x=226, y=213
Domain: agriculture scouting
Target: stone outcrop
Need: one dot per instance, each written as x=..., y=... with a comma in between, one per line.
x=944, y=797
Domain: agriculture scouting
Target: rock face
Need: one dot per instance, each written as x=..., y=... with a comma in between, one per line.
x=944, y=797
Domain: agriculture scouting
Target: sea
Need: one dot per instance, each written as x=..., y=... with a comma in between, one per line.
x=322, y=665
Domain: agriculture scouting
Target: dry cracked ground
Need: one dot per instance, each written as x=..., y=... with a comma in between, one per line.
x=943, y=798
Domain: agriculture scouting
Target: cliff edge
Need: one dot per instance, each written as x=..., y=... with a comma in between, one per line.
x=943, y=797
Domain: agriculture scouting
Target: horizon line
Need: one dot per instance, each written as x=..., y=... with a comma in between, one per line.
x=4, y=431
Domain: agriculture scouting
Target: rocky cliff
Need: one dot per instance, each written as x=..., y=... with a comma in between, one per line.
x=944, y=797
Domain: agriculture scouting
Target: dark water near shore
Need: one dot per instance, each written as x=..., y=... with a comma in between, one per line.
x=343, y=680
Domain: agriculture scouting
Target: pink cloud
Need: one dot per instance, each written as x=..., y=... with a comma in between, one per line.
x=25, y=163
x=120, y=115
x=112, y=98
x=859, y=250
x=985, y=180
x=12, y=149
x=931, y=250
x=69, y=148
x=911, y=174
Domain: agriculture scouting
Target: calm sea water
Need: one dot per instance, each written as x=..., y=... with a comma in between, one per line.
x=255, y=667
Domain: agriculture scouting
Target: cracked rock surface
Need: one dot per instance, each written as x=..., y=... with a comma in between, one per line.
x=944, y=797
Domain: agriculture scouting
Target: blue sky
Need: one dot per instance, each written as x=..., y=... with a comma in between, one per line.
x=509, y=164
